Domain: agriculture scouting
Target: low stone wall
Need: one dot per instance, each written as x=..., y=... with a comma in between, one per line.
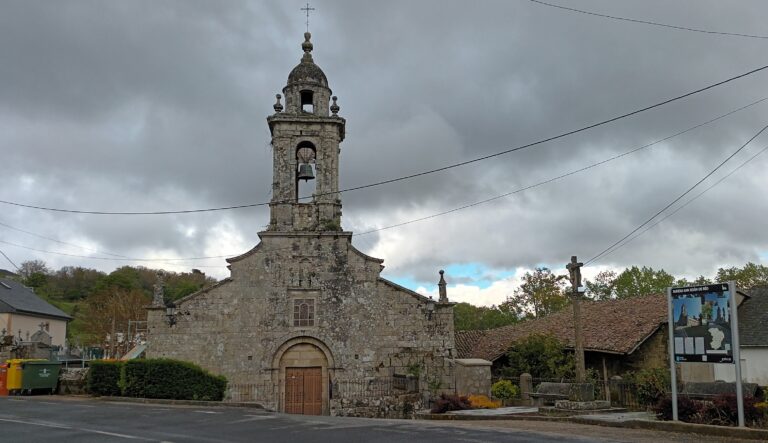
x=473, y=376
x=72, y=381
x=389, y=406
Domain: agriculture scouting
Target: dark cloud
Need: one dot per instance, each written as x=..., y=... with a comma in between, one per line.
x=162, y=105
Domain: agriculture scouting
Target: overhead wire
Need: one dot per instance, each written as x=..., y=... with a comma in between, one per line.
x=9, y=260
x=648, y=22
x=550, y=180
x=604, y=251
x=405, y=177
x=686, y=203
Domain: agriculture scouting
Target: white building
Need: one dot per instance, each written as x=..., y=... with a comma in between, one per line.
x=22, y=313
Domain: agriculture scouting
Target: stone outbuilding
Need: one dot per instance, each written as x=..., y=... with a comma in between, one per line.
x=305, y=323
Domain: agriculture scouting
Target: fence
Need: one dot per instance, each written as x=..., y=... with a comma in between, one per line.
x=356, y=388
x=623, y=393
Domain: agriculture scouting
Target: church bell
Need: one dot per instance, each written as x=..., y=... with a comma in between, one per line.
x=305, y=172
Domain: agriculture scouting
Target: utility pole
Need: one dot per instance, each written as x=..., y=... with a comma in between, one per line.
x=574, y=269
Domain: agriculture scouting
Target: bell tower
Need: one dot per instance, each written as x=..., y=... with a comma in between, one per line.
x=306, y=134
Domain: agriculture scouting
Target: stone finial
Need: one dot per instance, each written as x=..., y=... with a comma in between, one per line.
x=441, y=285
x=307, y=47
x=278, y=106
x=334, y=106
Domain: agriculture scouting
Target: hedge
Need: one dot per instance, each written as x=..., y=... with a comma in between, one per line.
x=104, y=377
x=174, y=379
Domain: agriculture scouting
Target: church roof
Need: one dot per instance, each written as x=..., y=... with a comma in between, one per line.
x=611, y=326
x=307, y=71
x=19, y=299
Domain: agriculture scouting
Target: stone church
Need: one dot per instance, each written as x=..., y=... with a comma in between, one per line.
x=305, y=323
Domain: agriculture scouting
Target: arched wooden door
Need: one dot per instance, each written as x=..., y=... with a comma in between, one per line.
x=304, y=391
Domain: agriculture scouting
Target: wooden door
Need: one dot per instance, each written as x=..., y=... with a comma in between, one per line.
x=304, y=391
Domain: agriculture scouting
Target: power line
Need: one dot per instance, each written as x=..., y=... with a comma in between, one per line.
x=469, y=205
x=646, y=22
x=677, y=199
x=567, y=174
x=10, y=261
x=687, y=203
x=405, y=177
x=61, y=242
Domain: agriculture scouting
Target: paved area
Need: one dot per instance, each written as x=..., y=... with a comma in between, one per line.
x=512, y=410
x=56, y=419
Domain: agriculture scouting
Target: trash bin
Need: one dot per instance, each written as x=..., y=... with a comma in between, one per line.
x=40, y=376
x=3, y=379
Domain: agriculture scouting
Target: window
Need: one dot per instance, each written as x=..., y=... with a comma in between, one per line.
x=303, y=312
x=307, y=105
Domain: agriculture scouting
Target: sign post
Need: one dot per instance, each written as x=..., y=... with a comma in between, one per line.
x=703, y=328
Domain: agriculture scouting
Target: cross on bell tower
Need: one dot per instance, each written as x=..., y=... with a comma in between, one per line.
x=306, y=134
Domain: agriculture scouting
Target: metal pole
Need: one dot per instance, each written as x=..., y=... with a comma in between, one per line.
x=736, y=351
x=672, y=369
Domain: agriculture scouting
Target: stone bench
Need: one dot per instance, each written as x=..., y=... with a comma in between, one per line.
x=547, y=393
x=707, y=390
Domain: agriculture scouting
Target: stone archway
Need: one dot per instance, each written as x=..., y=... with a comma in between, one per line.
x=303, y=376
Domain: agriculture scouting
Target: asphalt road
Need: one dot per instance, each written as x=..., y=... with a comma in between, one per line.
x=57, y=419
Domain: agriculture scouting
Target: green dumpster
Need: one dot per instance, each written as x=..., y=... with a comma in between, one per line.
x=39, y=376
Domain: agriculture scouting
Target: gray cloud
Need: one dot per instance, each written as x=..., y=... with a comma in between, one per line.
x=162, y=105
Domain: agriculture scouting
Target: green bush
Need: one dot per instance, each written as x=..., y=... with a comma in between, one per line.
x=542, y=356
x=104, y=377
x=651, y=384
x=504, y=390
x=174, y=379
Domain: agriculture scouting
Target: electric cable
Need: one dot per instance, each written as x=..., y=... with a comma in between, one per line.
x=686, y=203
x=405, y=177
x=10, y=261
x=676, y=199
x=647, y=22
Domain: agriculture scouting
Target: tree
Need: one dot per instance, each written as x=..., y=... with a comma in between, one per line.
x=634, y=281
x=108, y=311
x=540, y=294
x=542, y=356
x=470, y=317
x=748, y=277
x=602, y=287
x=30, y=267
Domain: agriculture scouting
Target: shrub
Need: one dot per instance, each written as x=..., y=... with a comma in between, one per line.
x=451, y=402
x=687, y=409
x=504, y=390
x=723, y=410
x=483, y=402
x=164, y=378
x=104, y=377
x=542, y=356
x=651, y=385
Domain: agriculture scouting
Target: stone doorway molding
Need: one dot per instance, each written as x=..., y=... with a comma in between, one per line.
x=303, y=352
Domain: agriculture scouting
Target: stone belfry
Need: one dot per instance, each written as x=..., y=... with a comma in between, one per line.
x=306, y=134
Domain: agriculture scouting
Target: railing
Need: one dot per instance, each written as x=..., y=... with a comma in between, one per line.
x=252, y=392
x=407, y=383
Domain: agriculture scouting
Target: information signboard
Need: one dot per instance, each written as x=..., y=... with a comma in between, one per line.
x=701, y=320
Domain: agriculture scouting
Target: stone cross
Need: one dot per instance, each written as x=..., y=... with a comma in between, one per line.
x=574, y=268
x=307, y=9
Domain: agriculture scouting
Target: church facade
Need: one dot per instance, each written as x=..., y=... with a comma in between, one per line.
x=305, y=317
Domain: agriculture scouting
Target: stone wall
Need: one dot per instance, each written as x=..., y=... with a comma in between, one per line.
x=473, y=376
x=364, y=325
x=391, y=406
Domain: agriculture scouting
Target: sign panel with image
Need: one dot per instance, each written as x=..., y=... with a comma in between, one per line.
x=702, y=323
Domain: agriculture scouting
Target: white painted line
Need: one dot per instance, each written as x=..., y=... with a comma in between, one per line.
x=60, y=426
x=208, y=412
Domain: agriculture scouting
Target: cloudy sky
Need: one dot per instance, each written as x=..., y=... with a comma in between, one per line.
x=161, y=105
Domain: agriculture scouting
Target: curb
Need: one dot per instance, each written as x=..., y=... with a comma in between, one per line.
x=667, y=426
x=165, y=401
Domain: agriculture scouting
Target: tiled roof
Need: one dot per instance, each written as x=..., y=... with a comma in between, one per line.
x=17, y=298
x=612, y=326
x=753, y=318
